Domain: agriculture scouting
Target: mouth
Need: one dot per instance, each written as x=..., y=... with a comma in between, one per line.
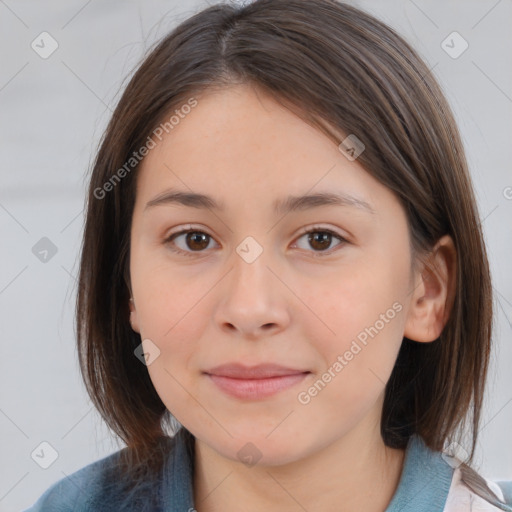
x=254, y=382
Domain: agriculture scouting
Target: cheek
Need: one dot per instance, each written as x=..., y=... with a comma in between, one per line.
x=357, y=360
x=175, y=326
x=353, y=300
x=362, y=313
x=167, y=296
x=174, y=322
x=172, y=314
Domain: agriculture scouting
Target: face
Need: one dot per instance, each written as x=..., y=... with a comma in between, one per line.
x=322, y=290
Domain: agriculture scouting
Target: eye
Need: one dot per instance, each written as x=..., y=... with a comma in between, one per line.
x=321, y=238
x=196, y=241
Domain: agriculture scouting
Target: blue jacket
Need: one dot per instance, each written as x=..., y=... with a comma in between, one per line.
x=428, y=484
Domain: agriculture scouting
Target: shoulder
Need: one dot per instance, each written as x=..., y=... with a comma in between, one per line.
x=471, y=491
x=99, y=487
x=77, y=490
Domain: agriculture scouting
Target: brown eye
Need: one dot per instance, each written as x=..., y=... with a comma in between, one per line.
x=320, y=239
x=194, y=241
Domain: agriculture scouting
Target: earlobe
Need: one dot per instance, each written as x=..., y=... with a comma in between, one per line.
x=433, y=294
x=133, y=316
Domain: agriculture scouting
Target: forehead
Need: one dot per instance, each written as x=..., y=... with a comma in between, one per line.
x=239, y=124
x=240, y=145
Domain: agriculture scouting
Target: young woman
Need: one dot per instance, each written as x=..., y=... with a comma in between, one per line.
x=284, y=297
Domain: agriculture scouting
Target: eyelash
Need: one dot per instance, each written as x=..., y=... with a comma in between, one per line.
x=314, y=229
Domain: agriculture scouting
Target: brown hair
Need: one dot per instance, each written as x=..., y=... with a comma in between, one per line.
x=344, y=72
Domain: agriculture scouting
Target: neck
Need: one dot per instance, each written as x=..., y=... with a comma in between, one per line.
x=356, y=472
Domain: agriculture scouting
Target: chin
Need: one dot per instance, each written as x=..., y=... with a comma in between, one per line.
x=258, y=449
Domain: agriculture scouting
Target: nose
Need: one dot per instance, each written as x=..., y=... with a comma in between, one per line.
x=253, y=301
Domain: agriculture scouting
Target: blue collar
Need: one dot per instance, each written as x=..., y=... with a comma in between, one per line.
x=179, y=475
x=423, y=486
x=425, y=480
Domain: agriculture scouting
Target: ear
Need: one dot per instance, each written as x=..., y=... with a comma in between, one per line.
x=433, y=294
x=133, y=317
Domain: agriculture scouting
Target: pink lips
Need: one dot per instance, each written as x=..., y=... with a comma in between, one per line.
x=254, y=382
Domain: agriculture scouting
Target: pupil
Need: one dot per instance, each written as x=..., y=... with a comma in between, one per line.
x=196, y=238
x=324, y=239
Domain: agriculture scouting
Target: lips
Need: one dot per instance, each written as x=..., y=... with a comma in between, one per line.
x=254, y=382
x=261, y=371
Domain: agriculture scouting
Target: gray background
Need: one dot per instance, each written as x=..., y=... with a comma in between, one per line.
x=53, y=112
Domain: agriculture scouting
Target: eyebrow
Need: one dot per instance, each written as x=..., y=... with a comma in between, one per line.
x=280, y=206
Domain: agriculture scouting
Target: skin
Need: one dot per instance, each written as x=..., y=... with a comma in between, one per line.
x=288, y=306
